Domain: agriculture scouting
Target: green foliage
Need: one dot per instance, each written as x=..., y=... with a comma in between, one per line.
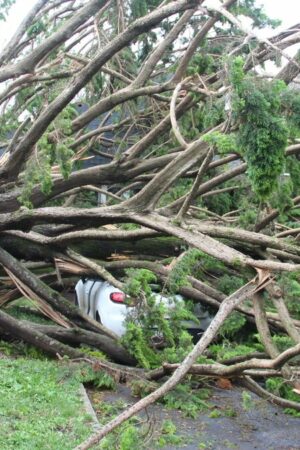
x=283, y=342
x=138, y=282
x=86, y=199
x=50, y=151
x=154, y=329
x=8, y=125
x=180, y=188
x=131, y=434
x=225, y=143
x=290, y=99
x=63, y=155
x=265, y=155
x=256, y=12
x=168, y=427
x=215, y=414
x=188, y=400
x=27, y=312
x=202, y=116
x=191, y=124
x=140, y=8
x=95, y=88
x=37, y=173
x=183, y=345
x=93, y=352
x=134, y=435
x=137, y=343
x=64, y=120
x=230, y=412
x=6, y=348
x=219, y=204
x=290, y=284
x=282, y=197
x=247, y=401
x=293, y=168
x=29, y=95
x=141, y=388
x=248, y=216
x=36, y=28
x=233, y=324
x=224, y=202
x=192, y=262
x=262, y=133
x=200, y=64
x=230, y=283
x=127, y=437
x=107, y=410
x=279, y=387
x=155, y=334
x=227, y=350
x=214, y=113
x=183, y=268
x=237, y=75
x=210, y=264
x=168, y=435
x=21, y=349
x=4, y=8
x=129, y=226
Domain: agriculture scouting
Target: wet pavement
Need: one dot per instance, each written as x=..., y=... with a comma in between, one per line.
x=261, y=426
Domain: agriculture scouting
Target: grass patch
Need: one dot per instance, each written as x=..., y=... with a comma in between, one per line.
x=40, y=406
x=23, y=309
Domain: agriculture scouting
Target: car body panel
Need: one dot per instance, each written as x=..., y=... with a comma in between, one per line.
x=93, y=297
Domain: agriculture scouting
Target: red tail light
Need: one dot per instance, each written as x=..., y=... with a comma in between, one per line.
x=117, y=297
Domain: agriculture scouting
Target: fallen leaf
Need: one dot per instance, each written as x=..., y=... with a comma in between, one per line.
x=224, y=383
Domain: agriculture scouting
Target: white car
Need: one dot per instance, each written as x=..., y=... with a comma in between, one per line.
x=107, y=304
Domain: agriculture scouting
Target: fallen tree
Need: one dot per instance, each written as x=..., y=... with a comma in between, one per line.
x=151, y=144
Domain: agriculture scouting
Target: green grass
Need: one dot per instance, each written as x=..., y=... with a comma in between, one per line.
x=40, y=406
x=24, y=309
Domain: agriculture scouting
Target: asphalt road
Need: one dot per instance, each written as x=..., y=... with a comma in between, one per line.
x=262, y=426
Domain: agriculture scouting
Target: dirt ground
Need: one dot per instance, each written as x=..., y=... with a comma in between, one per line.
x=262, y=426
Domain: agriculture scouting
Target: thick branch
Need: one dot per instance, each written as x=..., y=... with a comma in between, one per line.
x=21, y=153
x=182, y=370
x=57, y=301
x=27, y=64
x=8, y=51
x=191, y=196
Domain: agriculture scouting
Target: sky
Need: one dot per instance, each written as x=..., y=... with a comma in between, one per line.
x=286, y=10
